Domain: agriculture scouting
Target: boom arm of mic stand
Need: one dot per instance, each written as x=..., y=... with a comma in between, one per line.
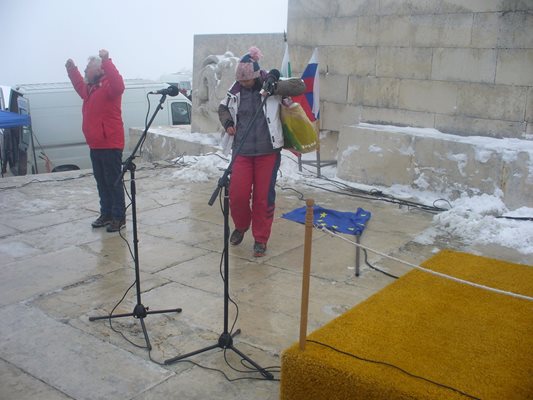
x=128, y=164
x=220, y=185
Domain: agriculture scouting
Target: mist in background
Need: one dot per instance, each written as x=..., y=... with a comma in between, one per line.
x=144, y=39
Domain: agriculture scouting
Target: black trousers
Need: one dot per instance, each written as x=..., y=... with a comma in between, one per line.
x=107, y=167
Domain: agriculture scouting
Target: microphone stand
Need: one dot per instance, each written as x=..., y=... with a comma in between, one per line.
x=225, y=341
x=140, y=311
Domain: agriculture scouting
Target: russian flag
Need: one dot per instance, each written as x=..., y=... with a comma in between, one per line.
x=310, y=100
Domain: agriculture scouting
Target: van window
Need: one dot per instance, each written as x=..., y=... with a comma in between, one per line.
x=181, y=113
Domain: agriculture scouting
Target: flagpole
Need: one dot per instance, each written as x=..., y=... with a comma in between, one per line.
x=306, y=271
x=311, y=75
x=318, y=173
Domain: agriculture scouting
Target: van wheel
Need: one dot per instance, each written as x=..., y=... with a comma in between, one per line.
x=65, y=167
x=8, y=157
x=22, y=163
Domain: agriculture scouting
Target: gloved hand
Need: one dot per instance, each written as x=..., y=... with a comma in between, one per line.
x=70, y=64
x=104, y=54
x=269, y=86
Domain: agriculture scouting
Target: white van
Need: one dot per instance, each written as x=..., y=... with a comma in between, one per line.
x=55, y=110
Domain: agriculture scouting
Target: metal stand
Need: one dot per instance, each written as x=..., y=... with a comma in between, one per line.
x=225, y=340
x=318, y=163
x=357, y=254
x=140, y=311
x=315, y=163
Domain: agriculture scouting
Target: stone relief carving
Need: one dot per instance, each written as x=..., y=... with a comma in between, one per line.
x=216, y=77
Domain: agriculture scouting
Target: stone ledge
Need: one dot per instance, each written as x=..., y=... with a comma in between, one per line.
x=430, y=160
x=169, y=142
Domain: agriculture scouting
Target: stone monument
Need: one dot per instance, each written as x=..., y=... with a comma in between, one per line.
x=216, y=76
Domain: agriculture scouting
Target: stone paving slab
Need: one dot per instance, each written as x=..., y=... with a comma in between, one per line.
x=48, y=272
x=6, y=230
x=96, y=296
x=203, y=272
x=75, y=363
x=155, y=253
x=17, y=384
x=57, y=236
x=14, y=249
x=189, y=231
x=23, y=221
x=191, y=385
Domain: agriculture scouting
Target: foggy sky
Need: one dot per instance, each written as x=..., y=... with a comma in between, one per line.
x=145, y=39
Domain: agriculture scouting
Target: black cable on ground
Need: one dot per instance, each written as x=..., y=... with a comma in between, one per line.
x=393, y=366
x=376, y=268
x=373, y=194
x=516, y=218
x=45, y=181
x=110, y=319
x=298, y=193
x=379, y=196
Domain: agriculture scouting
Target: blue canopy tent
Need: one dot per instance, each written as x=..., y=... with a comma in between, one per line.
x=12, y=120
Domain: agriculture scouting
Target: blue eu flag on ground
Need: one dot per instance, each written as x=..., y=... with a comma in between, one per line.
x=352, y=223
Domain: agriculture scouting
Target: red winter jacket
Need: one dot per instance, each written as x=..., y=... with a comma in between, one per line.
x=102, y=116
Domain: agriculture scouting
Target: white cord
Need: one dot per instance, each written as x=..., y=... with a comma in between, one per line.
x=490, y=289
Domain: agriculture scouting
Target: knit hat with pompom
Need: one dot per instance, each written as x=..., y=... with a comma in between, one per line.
x=248, y=67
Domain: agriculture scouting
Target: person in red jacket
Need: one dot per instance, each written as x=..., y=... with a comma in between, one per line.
x=101, y=92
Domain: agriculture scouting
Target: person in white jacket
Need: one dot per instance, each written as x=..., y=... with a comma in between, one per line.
x=259, y=142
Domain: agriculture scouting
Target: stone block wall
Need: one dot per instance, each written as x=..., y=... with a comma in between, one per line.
x=462, y=67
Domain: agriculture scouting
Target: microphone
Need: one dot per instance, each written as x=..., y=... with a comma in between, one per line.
x=270, y=82
x=169, y=91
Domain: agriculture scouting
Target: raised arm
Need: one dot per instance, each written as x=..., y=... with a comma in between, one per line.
x=116, y=83
x=75, y=77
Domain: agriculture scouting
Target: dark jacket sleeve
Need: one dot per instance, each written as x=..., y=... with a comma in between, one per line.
x=290, y=87
x=225, y=116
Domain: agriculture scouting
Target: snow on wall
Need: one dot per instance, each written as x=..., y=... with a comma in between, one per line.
x=438, y=161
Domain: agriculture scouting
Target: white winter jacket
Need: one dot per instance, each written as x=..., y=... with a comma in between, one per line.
x=271, y=108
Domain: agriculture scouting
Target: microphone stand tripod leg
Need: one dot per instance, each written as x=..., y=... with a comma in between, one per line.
x=261, y=370
x=145, y=333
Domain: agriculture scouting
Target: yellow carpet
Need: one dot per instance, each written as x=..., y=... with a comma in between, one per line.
x=424, y=337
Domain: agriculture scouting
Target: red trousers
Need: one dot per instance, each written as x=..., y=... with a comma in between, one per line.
x=254, y=178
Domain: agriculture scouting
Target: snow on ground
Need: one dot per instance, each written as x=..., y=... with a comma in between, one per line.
x=476, y=219
x=183, y=132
